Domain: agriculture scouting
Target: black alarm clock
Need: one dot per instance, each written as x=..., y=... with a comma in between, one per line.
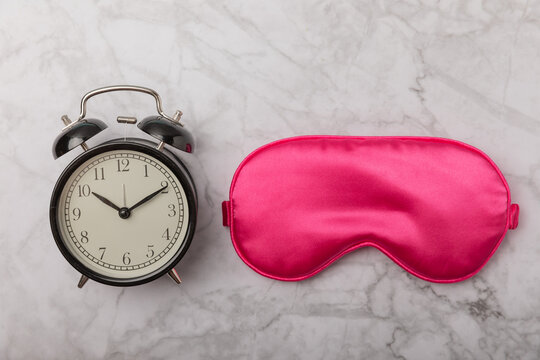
x=123, y=213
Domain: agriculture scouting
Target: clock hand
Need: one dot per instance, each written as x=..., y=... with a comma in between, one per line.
x=106, y=201
x=148, y=198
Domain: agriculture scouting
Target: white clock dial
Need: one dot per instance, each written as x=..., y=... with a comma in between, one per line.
x=103, y=226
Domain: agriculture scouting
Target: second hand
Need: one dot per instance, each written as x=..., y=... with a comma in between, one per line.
x=124, y=194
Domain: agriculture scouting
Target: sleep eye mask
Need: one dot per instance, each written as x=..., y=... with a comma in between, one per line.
x=437, y=207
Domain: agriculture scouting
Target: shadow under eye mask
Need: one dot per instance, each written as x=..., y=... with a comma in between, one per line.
x=437, y=207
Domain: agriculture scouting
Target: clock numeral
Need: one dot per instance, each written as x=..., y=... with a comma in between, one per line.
x=84, y=237
x=126, y=259
x=166, y=190
x=166, y=235
x=102, y=249
x=122, y=165
x=172, y=211
x=145, y=170
x=84, y=190
x=76, y=214
x=150, y=252
x=99, y=174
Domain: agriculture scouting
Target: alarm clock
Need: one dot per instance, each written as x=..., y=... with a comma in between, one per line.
x=123, y=213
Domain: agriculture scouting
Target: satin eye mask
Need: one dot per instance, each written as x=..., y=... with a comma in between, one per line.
x=437, y=207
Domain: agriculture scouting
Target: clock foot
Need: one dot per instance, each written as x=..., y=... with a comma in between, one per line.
x=174, y=275
x=82, y=281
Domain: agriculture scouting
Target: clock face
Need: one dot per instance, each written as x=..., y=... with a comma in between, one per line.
x=122, y=214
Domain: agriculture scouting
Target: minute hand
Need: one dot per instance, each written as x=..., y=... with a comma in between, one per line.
x=147, y=198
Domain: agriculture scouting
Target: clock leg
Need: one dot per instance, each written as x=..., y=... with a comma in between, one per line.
x=174, y=275
x=82, y=281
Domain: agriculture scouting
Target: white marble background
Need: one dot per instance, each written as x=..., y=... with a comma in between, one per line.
x=245, y=73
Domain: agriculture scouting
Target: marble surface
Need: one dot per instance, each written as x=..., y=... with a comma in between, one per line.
x=245, y=73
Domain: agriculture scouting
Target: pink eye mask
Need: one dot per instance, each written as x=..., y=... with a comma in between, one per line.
x=436, y=207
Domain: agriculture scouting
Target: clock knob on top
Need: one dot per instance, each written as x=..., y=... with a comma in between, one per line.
x=75, y=134
x=168, y=131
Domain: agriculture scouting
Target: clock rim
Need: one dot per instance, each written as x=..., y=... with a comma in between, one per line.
x=172, y=162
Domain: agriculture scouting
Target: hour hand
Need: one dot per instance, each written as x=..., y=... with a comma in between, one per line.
x=106, y=201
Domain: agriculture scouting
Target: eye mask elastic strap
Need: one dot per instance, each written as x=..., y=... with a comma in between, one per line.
x=225, y=211
x=513, y=215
